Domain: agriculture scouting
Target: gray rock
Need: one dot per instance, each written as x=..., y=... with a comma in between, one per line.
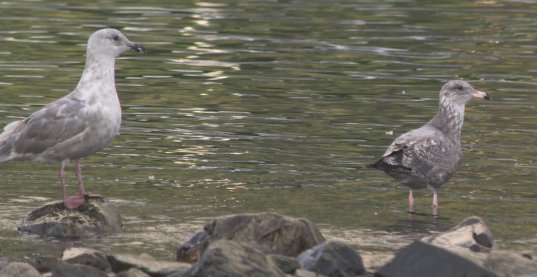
x=69, y=270
x=123, y=262
x=307, y=273
x=471, y=239
x=44, y=263
x=94, y=218
x=286, y=264
x=87, y=256
x=18, y=269
x=332, y=258
x=271, y=233
x=133, y=272
x=4, y=262
x=225, y=258
x=422, y=259
x=505, y=263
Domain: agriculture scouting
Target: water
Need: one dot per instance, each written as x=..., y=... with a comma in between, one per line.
x=254, y=106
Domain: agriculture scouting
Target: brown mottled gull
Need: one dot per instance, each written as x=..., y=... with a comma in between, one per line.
x=428, y=156
x=79, y=124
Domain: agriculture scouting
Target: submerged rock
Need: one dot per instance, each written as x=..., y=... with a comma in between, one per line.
x=268, y=232
x=332, y=258
x=94, y=218
x=229, y=258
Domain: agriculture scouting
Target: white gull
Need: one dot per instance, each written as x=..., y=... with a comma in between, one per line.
x=79, y=124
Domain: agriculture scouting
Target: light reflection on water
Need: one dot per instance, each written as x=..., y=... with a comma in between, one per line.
x=266, y=106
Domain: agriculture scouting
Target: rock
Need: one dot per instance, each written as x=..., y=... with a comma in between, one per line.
x=4, y=262
x=69, y=270
x=505, y=263
x=271, y=233
x=94, y=218
x=18, y=269
x=471, y=239
x=44, y=263
x=229, y=258
x=307, y=273
x=332, y=258
x=123, y=262
x=422, y=259
x=133, y=272
x=286, y=264
x=87, y=256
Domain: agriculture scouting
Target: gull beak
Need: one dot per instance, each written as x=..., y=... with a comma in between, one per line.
x=138, y=47
x=480, y=95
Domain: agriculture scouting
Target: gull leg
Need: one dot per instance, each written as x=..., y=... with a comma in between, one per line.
x=410, y=202
x=78, y=172
x=71, y=202
x=435, y=204
x=81, y=189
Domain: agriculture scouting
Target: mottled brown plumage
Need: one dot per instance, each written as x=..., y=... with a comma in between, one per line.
x=428, y=156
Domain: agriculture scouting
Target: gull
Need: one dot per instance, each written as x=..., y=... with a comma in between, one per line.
x=428, y=156
x=77, y=125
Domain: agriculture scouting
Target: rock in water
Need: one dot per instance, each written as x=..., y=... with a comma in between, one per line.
x=271, y=233
x=93, y=218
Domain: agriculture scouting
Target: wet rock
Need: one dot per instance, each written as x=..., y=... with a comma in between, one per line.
x=44, y=263
x=307, y=273
x=133, y=272
x=286, y=264
x=505, y=263
x=471, y=239
x=93, y=218
x=228, y=258
x=422, y=259
x=87, y=256
x=271, y=233
x=18, y=269
x=333, y=259
x=69, y=270
x=124, y=262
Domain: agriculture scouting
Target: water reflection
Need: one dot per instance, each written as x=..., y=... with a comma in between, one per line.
x=278, y=106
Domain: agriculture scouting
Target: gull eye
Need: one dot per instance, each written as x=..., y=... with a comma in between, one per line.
x=115, y=38
x=459, y=87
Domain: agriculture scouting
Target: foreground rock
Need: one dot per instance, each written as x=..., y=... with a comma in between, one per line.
x=470, y=239
x=268, y=232
x=228, y=258
x=19, y=269
x=94, y=218
x=332, y=258
x=268, y=245
x=422, y=259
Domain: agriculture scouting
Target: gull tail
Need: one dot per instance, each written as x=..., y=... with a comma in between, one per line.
x=7, y=140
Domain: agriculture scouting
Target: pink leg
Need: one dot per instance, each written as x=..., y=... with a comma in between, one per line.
x=78, y=172
x=435, y=204
x=71, y=202
x=81, y=189
x=410, y=202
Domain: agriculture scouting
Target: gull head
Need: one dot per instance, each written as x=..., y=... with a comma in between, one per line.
x=460, y=92
x=111, y=42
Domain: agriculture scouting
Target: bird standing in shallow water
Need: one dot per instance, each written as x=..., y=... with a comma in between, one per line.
x=79, y=124
x=428, y=156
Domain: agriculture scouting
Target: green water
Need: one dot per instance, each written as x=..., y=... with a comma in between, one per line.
x=252, y=106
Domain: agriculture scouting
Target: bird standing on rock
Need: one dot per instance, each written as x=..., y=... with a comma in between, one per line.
x=79, y=124
x=428, y=156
